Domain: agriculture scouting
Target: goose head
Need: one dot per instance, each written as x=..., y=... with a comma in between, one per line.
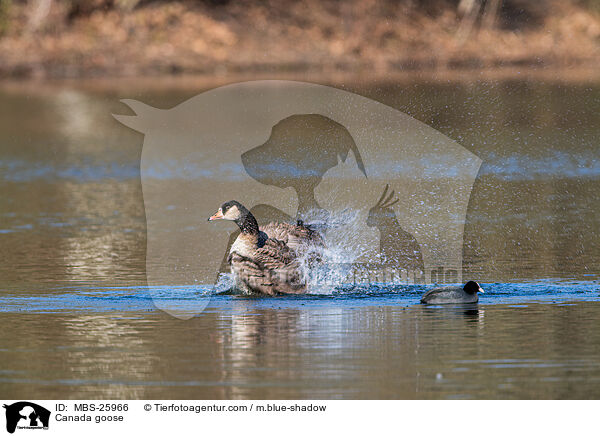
x=230, y=211
x=234, y=211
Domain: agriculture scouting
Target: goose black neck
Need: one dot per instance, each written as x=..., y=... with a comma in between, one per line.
x=248, y=224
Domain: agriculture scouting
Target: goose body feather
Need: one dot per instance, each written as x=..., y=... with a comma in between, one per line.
x=271, y=262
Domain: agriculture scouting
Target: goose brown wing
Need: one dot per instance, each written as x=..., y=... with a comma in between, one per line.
x=296, y=238
x=274, y=254
x=275, y=266
x=272, y=269
x=281, y=268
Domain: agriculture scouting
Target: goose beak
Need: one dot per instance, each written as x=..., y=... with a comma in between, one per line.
x=217, y=216
x=481, y=290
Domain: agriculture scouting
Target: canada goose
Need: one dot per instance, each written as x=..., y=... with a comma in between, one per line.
x=269, y=260
x=453, y=294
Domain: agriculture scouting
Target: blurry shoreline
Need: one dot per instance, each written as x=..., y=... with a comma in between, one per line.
x=98, y=39
x=200, y=82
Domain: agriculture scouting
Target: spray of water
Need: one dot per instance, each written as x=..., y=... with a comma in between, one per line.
x=343, y=247
x=325, y=268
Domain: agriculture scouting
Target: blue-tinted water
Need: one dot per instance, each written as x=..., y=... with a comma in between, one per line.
x=125, y=299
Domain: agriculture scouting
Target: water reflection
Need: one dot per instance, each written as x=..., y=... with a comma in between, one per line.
x=247, y=350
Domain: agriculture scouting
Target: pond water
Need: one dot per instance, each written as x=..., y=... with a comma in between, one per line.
x=78, y=321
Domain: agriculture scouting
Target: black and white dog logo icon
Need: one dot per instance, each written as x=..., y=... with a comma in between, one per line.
x=27, y=415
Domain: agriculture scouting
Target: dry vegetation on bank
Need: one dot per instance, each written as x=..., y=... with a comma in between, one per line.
x=83, y=38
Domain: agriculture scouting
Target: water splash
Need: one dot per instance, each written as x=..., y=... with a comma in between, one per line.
x=344, y=246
